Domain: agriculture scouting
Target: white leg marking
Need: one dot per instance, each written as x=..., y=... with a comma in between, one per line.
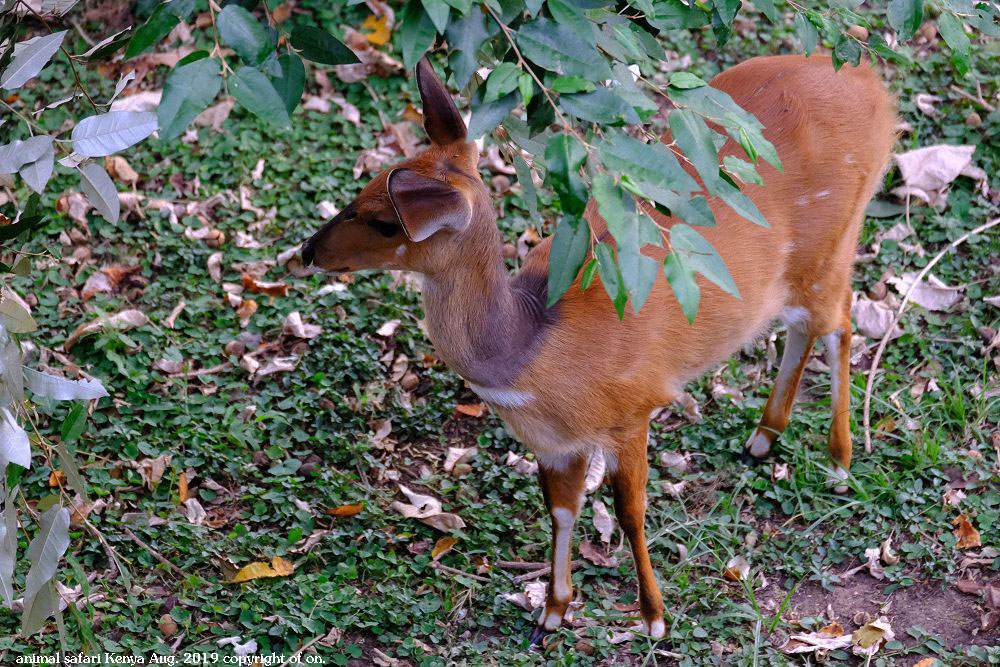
x=837, y=478
x=758, y=445
x=795, y=349
x=831, y=342
x=552, y=621
x=563, y=519
x=794, y=317
x=657, y=629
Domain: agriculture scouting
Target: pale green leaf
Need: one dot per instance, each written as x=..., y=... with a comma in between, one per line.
x=30, y=59
x=100, y=191
x=104, y=134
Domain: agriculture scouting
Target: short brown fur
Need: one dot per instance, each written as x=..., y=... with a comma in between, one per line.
x=592, y=380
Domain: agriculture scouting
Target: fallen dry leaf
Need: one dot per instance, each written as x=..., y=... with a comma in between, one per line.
x=296, y=327
x=427, y=509
x=811, y=642
x=194, y=512
x=119, y=169
x=834, y=629
x=968, y=536
x=968, y=586
x=210, y=235
x=925, y=662
x=676, y=461
x=928, y=171
x=520, y=464
x=889, y=556
x=596, y=556
x=245, y=310
x=931, y=294
x=123, y=321
x=346, y=510
x=375, y=30
x=151, y=470
x=388, y=329
x=674, y=489
x=873, y=317
x=172, y=317
x=603, y=522
x=458, y=455
x=281, y=364
x=443, y=546
x=261, y=287
x=214, y=264
x=168, y=365
x=532, y=598
x=278, y=567
x=595, y=472
x=868, y=638
x=737, y=569
x=473, y=410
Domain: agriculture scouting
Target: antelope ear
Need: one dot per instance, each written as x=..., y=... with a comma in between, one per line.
x=426, y=205
x=442, y=121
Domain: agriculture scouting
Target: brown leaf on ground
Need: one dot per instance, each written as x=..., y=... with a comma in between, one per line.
x=172, y=317
x=968, y=586
x=427, y=509
x=443, y=546
x=737, y=569
x=388, y=329
x=925, y=662
x=968, y=536
x=119, y=169
x=261, y=287
x=296, y=327
x=123, y=321
x=346, y=510
x=245, y=311
x=596, y=556
x=834, y=629
x=458, y=455
x=278, y=567
x=603, y=522
x=931, y=293
x=812, y=642
x=376, y=30
x=74, y=205
x=151, y=470
x=471, y=410
x=210, y=235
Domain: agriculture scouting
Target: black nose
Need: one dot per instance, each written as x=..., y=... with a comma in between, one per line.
x=308, y=253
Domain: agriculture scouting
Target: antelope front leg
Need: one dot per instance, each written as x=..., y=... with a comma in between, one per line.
x=628, y=482
x=562, y=487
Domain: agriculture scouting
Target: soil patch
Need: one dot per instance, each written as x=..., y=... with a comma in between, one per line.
x=950, y=616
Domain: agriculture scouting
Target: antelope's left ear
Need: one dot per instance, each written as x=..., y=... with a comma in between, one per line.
x=426, y=205
x=442, y=122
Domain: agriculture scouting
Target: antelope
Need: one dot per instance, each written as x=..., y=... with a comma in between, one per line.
x=572, y=380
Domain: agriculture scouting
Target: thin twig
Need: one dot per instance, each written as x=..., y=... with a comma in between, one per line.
x=451, y=570
x=520, y=565
x=154, y=553
x=899, y=313
x=541, y=572
x=201, y=371
x=978, y=100
x=83, y=33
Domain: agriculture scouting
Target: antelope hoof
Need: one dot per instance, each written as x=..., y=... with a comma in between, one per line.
x=758, y=446
x=655, y=628
x=837, y=479
x=536, y=636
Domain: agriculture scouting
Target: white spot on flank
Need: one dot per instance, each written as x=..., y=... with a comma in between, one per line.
x=849, y=159
x=400, y=250
x=562, y=524
x=816, y=287
x=802, y=201
x=822, y=194
x=758, y=444
x=504, y=398
x=794, y=317
x=788, y=248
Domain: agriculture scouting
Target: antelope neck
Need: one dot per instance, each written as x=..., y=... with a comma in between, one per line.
x=486, y=325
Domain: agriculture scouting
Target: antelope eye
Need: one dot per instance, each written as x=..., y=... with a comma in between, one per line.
x=386, y=229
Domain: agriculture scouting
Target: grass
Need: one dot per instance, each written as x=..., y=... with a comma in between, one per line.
x=266, y=478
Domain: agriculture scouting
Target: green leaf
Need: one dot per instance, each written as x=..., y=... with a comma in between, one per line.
x=417, y=35
x=37, y=172
x=189, y=89
x=438, y=10
x=847, y=50
x=566, y=255
x=723, y=13
x=599, y=106
x=572, y=84
x=683, y=284
x=526, y=86
x=568, y=14
x=502, y=80
x=100, y=191
x=527, y=185
x=564, y=155
x=740, y=203
x=695, y=139
x=607, y=268
x=321, y=47
x=686, y=80
x=905, y=17
x=879, y=46
x=31, y=59
x=292, y=81
x=486, y=116
x=953, y=31
x=768, y=9
x=16, y=319
x=75, y=422
x=559, y=49
x=8, y=543
x=61, y=389
x=249, y=38
x=156, y=27
x=44, y=553
x=673, y=14
x=589, y=271
x=253, y=90
x=699, y=255
x=107, y=133
x=465, y=37
x=808, y=35
x=742, y=170
x=651, y=163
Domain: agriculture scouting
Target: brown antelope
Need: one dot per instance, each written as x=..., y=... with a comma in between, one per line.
x=572, y=380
